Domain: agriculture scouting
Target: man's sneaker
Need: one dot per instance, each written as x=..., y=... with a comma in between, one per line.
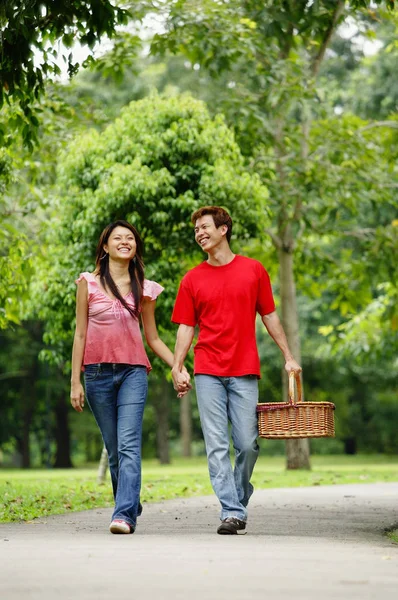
x=232, y=526
x=120, y=526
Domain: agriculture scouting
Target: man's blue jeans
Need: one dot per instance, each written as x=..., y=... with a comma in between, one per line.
x=116, y=394
x=223, y=400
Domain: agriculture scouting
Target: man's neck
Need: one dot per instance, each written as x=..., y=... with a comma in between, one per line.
x=220, y=257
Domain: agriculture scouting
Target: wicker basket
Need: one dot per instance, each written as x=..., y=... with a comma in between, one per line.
x=295, y=419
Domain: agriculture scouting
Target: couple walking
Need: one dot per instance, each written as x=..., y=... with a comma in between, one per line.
x=221, y=296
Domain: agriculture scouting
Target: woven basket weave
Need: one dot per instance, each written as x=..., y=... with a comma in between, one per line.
x=295, y=419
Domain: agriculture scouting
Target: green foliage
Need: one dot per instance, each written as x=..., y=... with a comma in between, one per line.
x=369, y=336
x=364, y=84
x=14, y=251
x=393, y=535
x=37, y=25
x=354, y=238
x=122, y=56
x=20, y=382
x=376, y=90
x=331, y=183
x=15, y=268
x=25, y=185
x=33, y=398
x=159, y=161
x=5, y=170
x=269, y=52
x=331, y=179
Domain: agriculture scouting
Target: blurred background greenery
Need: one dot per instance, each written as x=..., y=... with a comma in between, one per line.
x=284, y=113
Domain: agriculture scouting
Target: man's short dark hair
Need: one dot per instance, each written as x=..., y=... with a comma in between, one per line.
x=220, y=217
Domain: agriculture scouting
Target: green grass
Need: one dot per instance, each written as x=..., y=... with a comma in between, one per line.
x=27, y=495
x=393, y=535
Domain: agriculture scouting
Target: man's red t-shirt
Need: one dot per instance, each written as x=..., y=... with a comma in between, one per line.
x=223, y=302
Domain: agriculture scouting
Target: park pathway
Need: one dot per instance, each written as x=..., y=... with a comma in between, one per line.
x=317, y=543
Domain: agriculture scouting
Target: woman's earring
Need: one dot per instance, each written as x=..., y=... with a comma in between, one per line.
x=105, y=255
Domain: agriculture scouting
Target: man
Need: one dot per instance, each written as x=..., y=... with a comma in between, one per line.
x=222, y=296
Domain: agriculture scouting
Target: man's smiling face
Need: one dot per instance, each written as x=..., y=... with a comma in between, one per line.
x=207, y=235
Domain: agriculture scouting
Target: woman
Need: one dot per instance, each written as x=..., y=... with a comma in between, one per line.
x=108, y=346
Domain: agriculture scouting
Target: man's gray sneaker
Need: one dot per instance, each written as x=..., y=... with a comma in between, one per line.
x=232, y=526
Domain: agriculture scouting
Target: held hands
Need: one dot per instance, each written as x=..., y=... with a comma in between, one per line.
x=181, y=381
x=77, y=396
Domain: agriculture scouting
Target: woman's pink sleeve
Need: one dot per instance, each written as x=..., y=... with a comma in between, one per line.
x=152, y=289
x=82, y=276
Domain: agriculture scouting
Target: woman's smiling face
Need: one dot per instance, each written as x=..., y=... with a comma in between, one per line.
x=121, y=244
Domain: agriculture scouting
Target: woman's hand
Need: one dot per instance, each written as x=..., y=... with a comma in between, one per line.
x=184, y=385
x=181, y=381
x=77, y=396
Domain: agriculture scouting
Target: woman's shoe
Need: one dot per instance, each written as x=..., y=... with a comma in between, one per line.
x=120, y=526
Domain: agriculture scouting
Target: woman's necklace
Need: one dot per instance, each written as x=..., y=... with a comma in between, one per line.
x=123, y=286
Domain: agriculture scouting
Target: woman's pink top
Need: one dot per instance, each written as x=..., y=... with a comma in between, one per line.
x=113, y=335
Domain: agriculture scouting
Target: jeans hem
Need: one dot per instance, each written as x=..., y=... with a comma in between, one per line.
x=123, y=518
x=226, y=515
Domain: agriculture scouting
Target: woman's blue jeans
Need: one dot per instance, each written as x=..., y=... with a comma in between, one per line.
x=224, y=400
x=116, y=394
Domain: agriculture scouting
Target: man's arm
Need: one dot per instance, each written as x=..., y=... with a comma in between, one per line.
x=276, y=331
x=185, y=335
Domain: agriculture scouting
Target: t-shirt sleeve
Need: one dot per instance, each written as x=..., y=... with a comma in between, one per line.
x=265, y=299
x=151, y=289
x=184, y=310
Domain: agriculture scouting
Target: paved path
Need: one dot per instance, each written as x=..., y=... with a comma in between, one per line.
x=317, y=543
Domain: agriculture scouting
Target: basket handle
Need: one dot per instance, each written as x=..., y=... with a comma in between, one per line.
x=294, y=376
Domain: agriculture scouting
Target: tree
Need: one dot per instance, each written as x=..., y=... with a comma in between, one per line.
x=26, y=178
x=343, y=258
x=14, y=253
x=273, y=52
x=37, y=26
x=33, y=398
x=365, y=85
x=160, y=160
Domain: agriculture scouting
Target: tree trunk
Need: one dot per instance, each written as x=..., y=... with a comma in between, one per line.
x=62, y=434
x=297, y=451
x=186, y=425
x=28, y=401
x=24, y=442
x=103, y=466
x=350, y=445
x=161, y=405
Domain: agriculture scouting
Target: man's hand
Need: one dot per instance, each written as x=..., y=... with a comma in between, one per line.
x=77, y=396
x=292, y=365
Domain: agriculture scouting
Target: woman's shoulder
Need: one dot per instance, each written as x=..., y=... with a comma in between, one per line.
x=89, y=277
x=151, y=289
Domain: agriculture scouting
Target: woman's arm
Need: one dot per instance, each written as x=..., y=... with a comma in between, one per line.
x=154, y=341
x=184, y=339
x=151, y=332
x=77, y=391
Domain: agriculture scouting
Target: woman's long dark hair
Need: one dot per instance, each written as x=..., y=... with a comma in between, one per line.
x=136, y=268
